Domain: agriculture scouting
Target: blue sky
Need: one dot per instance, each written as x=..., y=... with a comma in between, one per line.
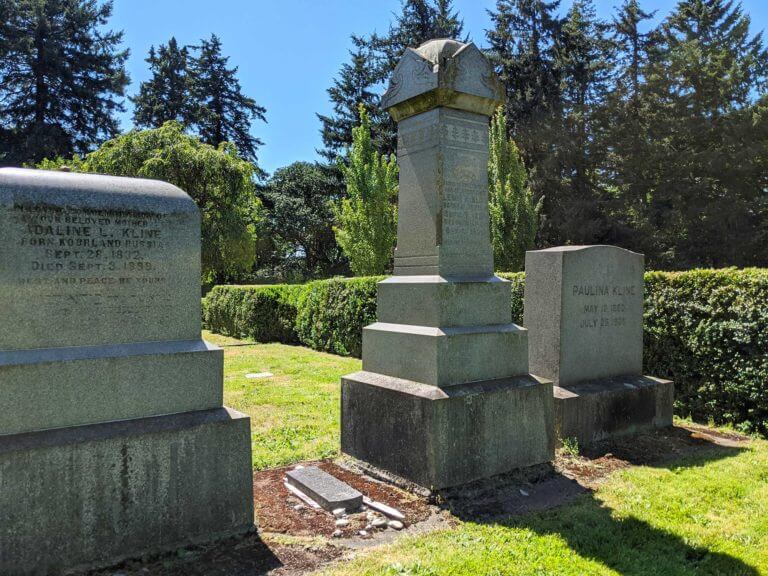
x=289, y=51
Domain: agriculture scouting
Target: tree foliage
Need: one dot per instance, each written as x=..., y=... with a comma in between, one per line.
x=298, y=200
x=167, y=95
x=217, y=179
x=650, y=137
x=374, y=57
x=223, y=113
x=195, y=86
x=514, y=215
x=367, y=217
x=61, y=77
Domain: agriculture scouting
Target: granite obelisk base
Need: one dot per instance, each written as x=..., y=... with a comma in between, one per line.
x=443, y=437
x=599, y=409
x=90, y=496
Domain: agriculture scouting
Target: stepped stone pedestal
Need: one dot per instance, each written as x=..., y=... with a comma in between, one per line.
x=445, y=395
x=113, y=439
x=584, y=314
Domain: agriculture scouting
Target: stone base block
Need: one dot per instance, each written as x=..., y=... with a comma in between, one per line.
x=442, y=437
x=445, y=356
x=91, y=496
x=60, y=387
x=595, y=410
x=438, y=301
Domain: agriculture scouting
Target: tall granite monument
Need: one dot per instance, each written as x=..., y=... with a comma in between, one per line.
x=584, y=314
x=113, y=438
x=445, y=396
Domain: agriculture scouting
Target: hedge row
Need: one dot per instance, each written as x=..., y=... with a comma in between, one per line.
x=705, y=329
x=327, y=315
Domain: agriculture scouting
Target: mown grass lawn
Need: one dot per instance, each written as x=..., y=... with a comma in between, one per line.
x=295, y=413
x=700, y=515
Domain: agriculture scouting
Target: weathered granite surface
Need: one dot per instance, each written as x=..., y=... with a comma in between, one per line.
x=442, y=437
x=584, y=315
x=328, y=491
x=93, y=495
x=95, y=260
x=113, y=419
x=445, y=396
x=101, y=284
x=584, y=312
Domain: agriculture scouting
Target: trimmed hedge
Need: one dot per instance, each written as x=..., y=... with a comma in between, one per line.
x=260, y=313
x=708, y=331
x=332, y=314
x=705, y=329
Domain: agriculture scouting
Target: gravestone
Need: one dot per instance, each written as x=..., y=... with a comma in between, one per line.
x=326, y=490
x=445, y=396
x=584, y=315
x=113, y=438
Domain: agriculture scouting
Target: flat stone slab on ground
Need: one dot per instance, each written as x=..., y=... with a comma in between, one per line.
x=331, y=493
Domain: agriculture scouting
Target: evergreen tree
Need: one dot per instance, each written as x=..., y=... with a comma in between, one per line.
x=373, y=59
x=514, y=215
x=584, y=60
x=355, y=85
x=367, y=217
x=708, y=198
x=167, y=95
x=631, y=115
x=522, y=42
x=60, y=75
x=299, y=201
x=223, y=112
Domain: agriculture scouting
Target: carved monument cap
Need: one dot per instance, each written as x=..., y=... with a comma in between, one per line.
x=446, y=73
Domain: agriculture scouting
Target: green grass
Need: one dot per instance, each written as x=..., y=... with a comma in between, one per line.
x=295, y=413
x=699, y=517
x=704, y=515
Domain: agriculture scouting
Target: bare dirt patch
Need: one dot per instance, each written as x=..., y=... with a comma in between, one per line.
x=276, y=512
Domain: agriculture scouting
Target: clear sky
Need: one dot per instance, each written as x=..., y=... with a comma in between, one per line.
x=289, y=51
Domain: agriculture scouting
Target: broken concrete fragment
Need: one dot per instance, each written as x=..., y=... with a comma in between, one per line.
x=329, y=492
x=384, y=509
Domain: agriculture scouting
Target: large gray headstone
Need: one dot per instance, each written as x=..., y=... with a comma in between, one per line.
x=112, y=419
x=584, y=312
x=584, y=315
x=445, y=395
x=92, y=260
x=100, y=276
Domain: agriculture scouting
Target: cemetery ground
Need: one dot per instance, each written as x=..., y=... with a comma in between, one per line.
x=691, y=500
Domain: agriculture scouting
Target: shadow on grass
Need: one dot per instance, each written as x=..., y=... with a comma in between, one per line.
x=549, y=503
x=628, y=546
x=246, y=555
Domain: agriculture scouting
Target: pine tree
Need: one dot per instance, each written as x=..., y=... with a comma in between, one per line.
x=167, y=95
x=354, y=86
x=708, y=197
x=61, y=73
x=631, y=112
x=514, y=215
x=367, y=217
x=373, y=59
x=223, y=113
x=584, y=60
x=522, y=42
